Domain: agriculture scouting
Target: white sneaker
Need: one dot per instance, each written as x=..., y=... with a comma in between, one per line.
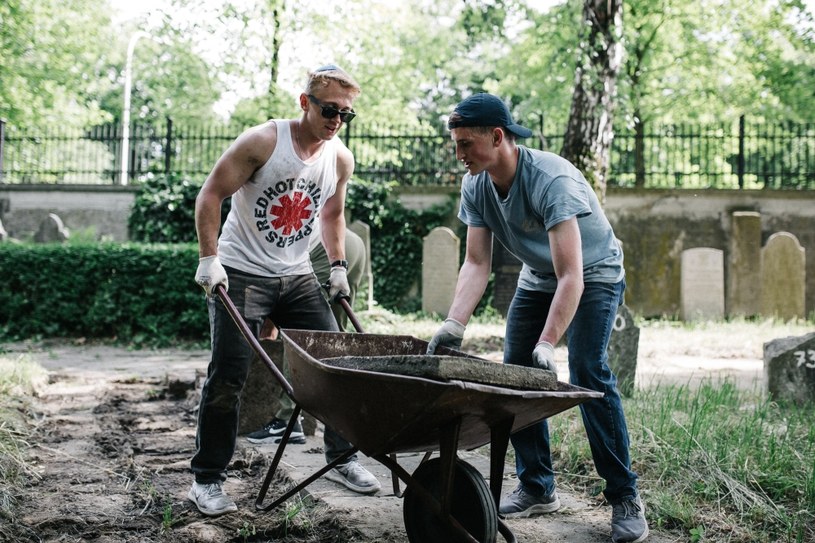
x=355, y=477
x=211, y=499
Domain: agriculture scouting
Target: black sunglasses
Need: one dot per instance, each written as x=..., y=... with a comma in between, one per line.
x=329, y=112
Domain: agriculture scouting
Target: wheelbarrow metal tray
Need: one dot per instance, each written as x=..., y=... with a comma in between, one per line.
x=384, y=413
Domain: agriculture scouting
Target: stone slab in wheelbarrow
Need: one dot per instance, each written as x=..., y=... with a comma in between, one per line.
x=452, y=368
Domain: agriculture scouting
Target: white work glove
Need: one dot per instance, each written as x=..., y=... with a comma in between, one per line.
x=338, y=283
x=448, y=335
x=543, y=356
x=211, y=273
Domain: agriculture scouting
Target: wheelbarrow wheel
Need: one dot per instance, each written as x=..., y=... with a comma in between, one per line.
x=471, y=505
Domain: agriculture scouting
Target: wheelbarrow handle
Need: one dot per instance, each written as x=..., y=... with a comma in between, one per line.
x=343, y=301
x=253, y=341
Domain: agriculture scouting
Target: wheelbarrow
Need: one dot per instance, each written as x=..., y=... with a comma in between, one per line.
x=339, y=378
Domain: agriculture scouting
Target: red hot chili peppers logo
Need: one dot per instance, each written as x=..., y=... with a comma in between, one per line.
x=286, y=211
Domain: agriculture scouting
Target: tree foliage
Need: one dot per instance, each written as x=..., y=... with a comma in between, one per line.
x=52, y=53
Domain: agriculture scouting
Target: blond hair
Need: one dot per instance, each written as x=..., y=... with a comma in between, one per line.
x=324, y=75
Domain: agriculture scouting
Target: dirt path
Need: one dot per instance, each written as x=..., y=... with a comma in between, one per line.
x=115, y=431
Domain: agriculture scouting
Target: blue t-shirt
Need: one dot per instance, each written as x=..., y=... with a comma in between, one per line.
x=547, y=190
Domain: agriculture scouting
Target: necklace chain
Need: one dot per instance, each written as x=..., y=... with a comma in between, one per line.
x=297, y=137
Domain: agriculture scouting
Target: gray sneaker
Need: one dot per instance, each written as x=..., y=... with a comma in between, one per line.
x=522, y=504
x=355, y=477
x=628, y=524
x=211, y=499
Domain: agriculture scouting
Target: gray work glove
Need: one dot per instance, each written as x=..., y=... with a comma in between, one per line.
x=543, y=356
x=211, y=273
x=450, y=335
x=338, y=283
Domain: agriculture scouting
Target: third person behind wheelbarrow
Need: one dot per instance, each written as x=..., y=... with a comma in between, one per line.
x=282, y=175
x=541, y=208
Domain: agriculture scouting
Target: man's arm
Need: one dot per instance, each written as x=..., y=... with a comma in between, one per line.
x=332, y=226
x=332, y=214
x=567, y=258
x=473, y=275
x=235, y=167
x=472, y=281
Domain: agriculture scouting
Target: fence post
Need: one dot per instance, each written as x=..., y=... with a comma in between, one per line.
x=2, y=142
x=540, y=137
x=741, y=152
x=168, y=151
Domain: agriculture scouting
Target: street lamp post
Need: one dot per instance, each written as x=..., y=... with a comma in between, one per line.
x=126, y=110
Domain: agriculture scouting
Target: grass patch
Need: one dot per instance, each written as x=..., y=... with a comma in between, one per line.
x=19, y=378
x=715, y=462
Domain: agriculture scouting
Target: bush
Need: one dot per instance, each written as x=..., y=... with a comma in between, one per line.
x=135, y=293
x=164, y=211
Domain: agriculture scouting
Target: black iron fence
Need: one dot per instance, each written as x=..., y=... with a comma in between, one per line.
x=741, y=155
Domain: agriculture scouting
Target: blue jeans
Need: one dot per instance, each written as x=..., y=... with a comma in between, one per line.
x=290, y=302
x=587, y=338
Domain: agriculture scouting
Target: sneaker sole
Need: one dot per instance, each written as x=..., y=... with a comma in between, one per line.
x=538, y=509
x=293, y=440
x=641, y=538
x=211, y=512
x=276, y=439
x=331, y=476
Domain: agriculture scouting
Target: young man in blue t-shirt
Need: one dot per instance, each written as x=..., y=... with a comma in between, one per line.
x=540, y=207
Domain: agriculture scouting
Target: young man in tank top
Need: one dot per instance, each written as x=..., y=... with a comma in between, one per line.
x=540, y=207
x=283, y=176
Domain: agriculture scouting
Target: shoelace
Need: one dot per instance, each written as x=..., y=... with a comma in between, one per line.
x=630, y=508
x=212, y=489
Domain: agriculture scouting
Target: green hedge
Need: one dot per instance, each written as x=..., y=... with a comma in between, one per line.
x=164, y=212
x=135, y=293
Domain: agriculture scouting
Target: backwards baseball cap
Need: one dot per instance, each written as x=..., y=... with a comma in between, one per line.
x=484, y=109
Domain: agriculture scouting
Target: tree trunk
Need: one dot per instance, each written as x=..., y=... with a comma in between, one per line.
x=587, y=142
x=276, y=7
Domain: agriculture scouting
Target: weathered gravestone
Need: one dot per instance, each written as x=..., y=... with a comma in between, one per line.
x=783, y=284
x=51, y=230
x=440, y=263
x=789, y=367
x=364, y=232
x=744, y=264
x=262, y=396
x=702, y=284
x=622, y=350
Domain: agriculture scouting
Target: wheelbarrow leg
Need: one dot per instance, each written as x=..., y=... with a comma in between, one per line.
x=267, y=481
x=448, y=454
x=397, y=491
x=499, y=443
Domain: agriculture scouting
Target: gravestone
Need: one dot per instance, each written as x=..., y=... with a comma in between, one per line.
x=744, y=265
x=261, y=396
x=440, y=264
x=789, y=368
x=506, y=268
x=364, y=231
x=702, y=284
x=51, y=230
x=623, y=348
x=783, y=277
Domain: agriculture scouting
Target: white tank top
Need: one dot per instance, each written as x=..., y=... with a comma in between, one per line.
x=274, y=214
